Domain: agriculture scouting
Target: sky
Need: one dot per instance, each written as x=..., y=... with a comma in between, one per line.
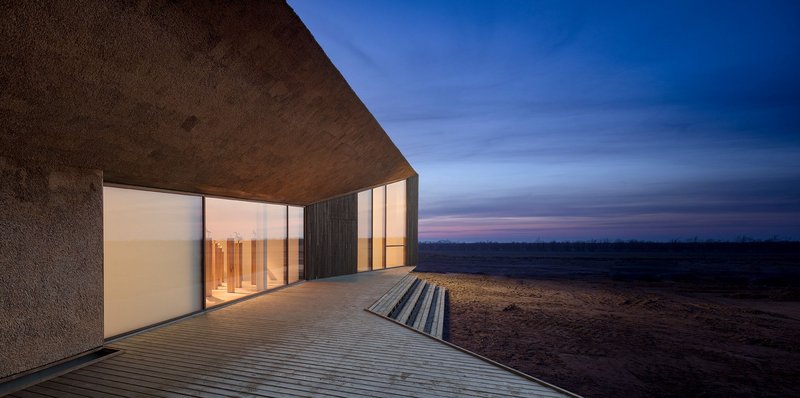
x=561, y=120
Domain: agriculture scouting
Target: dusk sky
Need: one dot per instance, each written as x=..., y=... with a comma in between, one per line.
x=565, y=120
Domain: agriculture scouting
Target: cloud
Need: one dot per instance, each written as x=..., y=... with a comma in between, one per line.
x=729, y=208
x=582, y=118
x=774, y=195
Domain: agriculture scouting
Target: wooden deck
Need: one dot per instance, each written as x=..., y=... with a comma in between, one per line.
x=313, y=339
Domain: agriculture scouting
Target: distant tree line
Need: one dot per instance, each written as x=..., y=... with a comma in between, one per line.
x=740, y=245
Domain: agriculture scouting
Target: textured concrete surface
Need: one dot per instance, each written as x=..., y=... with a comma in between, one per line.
x=51, y=267
x=234, y=99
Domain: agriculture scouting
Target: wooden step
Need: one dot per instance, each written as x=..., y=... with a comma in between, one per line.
x=394, y=300
x=408, y=306
x=415, y=303
x=388, y=301
x=422, y=316
x=383, y=299
x=437, y=328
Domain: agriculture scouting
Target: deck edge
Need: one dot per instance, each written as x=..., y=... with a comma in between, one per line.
x=481, y=357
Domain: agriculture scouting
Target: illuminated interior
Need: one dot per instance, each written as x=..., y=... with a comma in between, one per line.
x=295, y=245
x=250, y=247
x=378, y=227
x=154, y=246
x=396, y=224
x=364, y=230
x=382, y=227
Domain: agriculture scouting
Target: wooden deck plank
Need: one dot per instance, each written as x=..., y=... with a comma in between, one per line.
x=30, y=394
x=313, y=339
x=56, y=392
x=439, y=329
x=74, y=383
x=412, y=300
x=304, y=367
x=299, y=375
x=398, y=294
x=371, y=354
x=390, y=300
x=419, y=323
x=392, y=291
x=86, y=389
x=266, y=382
x=207, y=384
x=130, y=385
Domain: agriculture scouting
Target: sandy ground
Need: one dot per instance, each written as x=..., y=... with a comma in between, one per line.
x=601, y=337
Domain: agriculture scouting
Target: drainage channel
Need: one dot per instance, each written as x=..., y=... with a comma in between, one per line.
x=30, y=379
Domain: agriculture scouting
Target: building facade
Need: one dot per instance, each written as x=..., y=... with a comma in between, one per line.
x=162, y=159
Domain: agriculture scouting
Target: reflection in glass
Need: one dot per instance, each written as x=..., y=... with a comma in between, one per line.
x=276, y=245
x=295, y=244
x=395, y=224
x=382, y=227
x=378, y=226
x=395, y=256
x=234, y=249
x=151, y=258
x=396, y=214
x=364, y=230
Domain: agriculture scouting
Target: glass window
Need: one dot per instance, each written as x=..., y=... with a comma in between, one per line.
x=364, y=230
x=295, y=244
x=396, y=214
x=151, y=262
x=378, y=226
x=382, y=227
x=395, y=224
x=395, y=256
x=276, y=246
x=235, y=249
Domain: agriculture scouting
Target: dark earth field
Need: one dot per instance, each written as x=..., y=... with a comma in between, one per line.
x=678, y=323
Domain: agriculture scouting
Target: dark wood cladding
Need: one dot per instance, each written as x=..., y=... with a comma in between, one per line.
x=412, y=220
x=331, y=236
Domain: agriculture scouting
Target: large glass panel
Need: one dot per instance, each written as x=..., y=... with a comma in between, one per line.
x=234, y=247
x=364, y=230
x=378, y=226
x=295, y=244
x=276, y=245
x=395, y=224
x=151, y=260
x=395, y=256
x=396, y=214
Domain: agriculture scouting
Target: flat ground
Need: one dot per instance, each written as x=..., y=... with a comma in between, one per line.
x=630, y=325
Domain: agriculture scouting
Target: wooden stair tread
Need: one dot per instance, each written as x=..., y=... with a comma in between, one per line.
x=416, y=303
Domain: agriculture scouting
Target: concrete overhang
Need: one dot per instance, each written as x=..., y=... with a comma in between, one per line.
x=225, y=98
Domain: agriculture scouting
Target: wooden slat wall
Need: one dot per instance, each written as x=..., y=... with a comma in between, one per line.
x=412, y=215
x=331, y=232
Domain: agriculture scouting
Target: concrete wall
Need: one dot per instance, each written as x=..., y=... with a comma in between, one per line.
x=331, y=236
x=51, y=263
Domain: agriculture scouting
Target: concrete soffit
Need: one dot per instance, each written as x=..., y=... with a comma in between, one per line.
x=229, y=99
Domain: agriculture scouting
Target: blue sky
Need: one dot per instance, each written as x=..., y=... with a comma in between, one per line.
x=562, y=120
